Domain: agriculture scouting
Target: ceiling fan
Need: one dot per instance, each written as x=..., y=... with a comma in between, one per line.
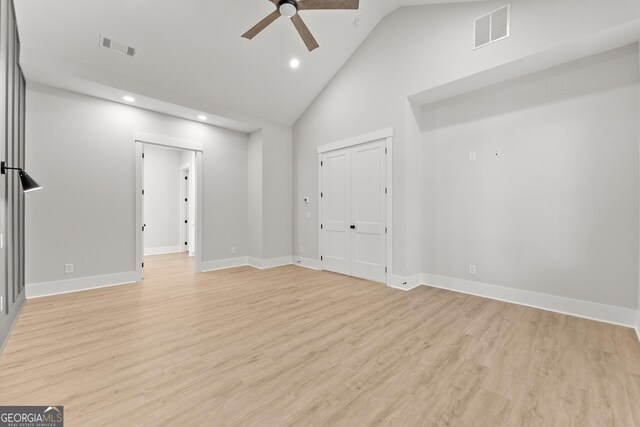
x=290, y=9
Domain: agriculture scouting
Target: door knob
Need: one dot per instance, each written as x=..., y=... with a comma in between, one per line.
x=353, y=227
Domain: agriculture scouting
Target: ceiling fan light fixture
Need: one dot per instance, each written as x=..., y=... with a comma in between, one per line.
x=288, y=8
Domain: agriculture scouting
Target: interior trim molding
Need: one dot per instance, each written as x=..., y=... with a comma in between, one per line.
x=405, y=283
x=258, y=263
x=44, y=289
x=263, y=264
x=161, y=250
x=167, y=141
x=573, y=307
x=311, y=263
x=221, y=264
x=357, y=140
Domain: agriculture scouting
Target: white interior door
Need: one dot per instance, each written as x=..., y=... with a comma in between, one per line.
x=335, y=199
x=368, y=181
x=353, y=208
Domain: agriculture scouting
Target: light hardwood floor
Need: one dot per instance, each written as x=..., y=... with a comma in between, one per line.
x=291, y=346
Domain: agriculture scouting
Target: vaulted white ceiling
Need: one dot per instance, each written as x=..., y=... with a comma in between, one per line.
x=193, y=47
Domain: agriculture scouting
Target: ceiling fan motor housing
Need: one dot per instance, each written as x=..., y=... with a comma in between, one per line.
x=288, y=8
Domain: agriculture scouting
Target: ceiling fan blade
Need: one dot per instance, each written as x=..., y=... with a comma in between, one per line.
x=328, y=4
x=261, y=25
x=304, y=32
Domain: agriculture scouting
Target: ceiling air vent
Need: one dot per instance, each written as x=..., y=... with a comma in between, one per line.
x=116, y=46
x=492, y=27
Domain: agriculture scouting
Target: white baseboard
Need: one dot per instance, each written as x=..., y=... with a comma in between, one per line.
x=404, y=283
x=161, y=250
x=586, y=309
x=311, y=263
x=270, y=262
x=638, y=325
x=261, y=264
x=36, y=290
x=222, y=264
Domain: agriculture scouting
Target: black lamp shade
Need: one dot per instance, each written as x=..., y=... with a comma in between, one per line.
x=28, y=183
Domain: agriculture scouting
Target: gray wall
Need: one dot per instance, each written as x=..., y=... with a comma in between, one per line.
x=12, y=206
x=557, y=211
x=255, y=195
x=82, y=149
x=270, y=188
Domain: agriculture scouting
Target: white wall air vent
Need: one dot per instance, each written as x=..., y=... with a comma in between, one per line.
x=492, y=27
x=116, y=46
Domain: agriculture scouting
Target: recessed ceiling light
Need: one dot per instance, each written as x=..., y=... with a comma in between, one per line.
x=295, y=63
x=202, y=117
x=129, y=98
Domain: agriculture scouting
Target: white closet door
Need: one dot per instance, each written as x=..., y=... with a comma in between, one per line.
x=353, y=207
x=336, y=244
x=368, y=181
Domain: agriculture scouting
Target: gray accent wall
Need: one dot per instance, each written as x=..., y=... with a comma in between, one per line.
x=12, y=151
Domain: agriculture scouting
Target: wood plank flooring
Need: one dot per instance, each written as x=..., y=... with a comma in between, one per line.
x=291, y=346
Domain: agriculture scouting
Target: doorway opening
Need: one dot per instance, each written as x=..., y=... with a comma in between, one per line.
x=168, y=202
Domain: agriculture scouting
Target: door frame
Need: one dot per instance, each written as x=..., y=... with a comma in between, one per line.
x=383, y=134
x=141, y=138
x=185, y=171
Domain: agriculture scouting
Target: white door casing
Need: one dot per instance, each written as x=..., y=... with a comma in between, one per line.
x=185, y=200
x=141, y=138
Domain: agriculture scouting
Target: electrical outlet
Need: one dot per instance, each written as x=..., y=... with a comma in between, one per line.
x=68, y=268
x=472, y=269
x=472, y=155
x=233, y=250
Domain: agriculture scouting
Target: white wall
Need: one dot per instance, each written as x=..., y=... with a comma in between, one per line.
x=162, y=202
x=557, y=211
x=81, y=149
x=412, y=50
